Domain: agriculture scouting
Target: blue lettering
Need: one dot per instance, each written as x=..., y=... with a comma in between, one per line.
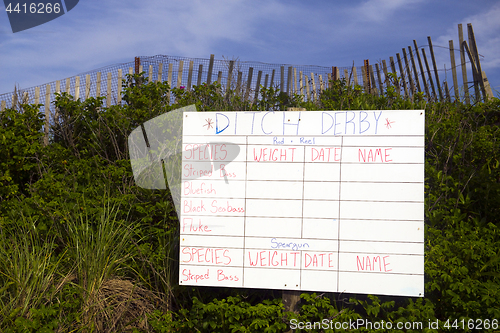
x=217, y=128
x=235, y=121
x=253, y=119
x=376, y=120
x=323, y=122
x=274, y=242
x=278, y=142
x=294, y=246
x=335, y=129
x=363, y=121
x=262, y=122
x=291, y=124
x=350, y=121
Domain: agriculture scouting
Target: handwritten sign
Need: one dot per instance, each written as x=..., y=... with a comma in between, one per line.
x=304, y=200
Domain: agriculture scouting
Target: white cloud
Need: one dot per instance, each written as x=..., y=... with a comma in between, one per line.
x=381, y=10
x=486, y=26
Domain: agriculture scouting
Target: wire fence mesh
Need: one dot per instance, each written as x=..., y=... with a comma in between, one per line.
x=246, y=77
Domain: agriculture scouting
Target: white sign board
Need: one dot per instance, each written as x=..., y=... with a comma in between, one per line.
x=310, y=200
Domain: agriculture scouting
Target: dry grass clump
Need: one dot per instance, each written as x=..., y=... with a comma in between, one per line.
x=119, y=306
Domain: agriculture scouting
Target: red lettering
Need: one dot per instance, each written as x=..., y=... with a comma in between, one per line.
x=307, y=260
x=187, y=276
x=223, y=150
x=337, y=154
x=387, y=155
x=360, y=264
x=186, y=251
x=227, y=257
x=228, y=208
x=285, y=259
x=223, y=277
x=187, y=150
x=273, y=262
x=374, y=155
x=273, y=154
x=370, y=264
x=325, y=154
x=386, y=264
x=361, y=155
x=187, y=207
x=192, y=226
x=255, y=158
x=215, y=256
x=330, y=260
x=252, y=263
x=262, y=258
x=283, y=155
x=271, y=258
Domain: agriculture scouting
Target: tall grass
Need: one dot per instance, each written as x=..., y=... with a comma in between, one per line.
x=28, y=272
x=98, y=245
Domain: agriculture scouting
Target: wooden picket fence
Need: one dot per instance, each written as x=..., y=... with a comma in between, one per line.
x=401, y=75
x=414, y=80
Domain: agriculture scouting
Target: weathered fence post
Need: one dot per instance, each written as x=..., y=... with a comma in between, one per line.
x=314, y=92
x=249, y=82
x=238, y=83
x=108, y=93
x=77, y=88
x=190, y=75
x=210, y=69
x=377, y=67
x=408, y=72
x=307, y=88
x=374, y=83
x=462, y=59
x=282, y=78
x=289, y=86
x=56, y=114
x=295, y=80
x=47, y=115
x=387, y=82
x=137, y=63
x=454, y=70
x=169, y=78
x=87, y=86
x=229, y=76
x=354, y=75
x=433, y=58
x=415, y=73
x=179, y=73
x=429, y=73
x=472, y=43
x=200, y=73
x=402, y=72
x=119, y=87
x=301, y=85
x=426, y=88
x=366, y=76
x=257, y=86
x=160, y=72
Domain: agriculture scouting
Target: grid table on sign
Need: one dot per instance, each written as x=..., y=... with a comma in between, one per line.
x=315, y=200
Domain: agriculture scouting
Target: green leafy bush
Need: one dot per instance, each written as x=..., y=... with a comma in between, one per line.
x=55, y=194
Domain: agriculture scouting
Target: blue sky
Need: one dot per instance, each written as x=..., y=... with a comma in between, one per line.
x=323, y=32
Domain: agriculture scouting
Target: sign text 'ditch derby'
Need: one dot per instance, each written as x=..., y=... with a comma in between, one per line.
x=315, y=200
